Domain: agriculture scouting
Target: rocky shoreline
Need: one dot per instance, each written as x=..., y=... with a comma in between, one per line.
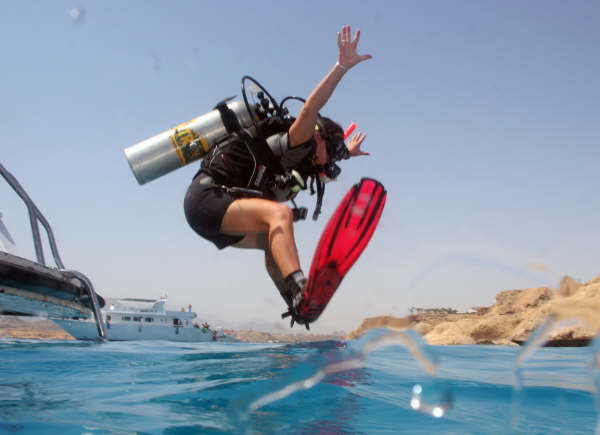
x=574, y=308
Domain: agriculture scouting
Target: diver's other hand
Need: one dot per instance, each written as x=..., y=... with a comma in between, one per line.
x=355, y=143
x=347, y=55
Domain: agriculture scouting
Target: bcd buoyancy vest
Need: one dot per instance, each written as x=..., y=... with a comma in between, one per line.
x=260, y=158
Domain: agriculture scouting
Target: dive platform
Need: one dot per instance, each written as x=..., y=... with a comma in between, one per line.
x=31, y=288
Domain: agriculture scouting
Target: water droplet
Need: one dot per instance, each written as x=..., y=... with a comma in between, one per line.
x=77, y=14
x=438, y=412
x=433, y=397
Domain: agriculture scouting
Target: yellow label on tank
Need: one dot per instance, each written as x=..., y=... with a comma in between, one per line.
x=188, y=145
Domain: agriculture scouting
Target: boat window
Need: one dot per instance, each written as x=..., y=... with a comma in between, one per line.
x=127, y=318
x=149, y=319
x=137, y=319
x=187, y=323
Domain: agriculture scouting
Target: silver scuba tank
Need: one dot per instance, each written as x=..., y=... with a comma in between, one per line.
x=183, y=144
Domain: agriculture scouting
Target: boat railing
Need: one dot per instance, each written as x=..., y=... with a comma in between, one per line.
x=35, y=218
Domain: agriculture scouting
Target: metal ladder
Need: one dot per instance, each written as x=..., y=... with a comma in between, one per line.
x=35, y=217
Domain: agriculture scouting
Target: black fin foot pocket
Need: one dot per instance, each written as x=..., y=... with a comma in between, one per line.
x=295, y=318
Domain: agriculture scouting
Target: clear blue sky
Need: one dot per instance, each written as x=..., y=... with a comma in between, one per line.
x=482, y=120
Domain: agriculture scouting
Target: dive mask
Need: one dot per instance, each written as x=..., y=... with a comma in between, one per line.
x=336, y=149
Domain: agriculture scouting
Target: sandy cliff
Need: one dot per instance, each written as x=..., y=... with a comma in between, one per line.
x=515, y=315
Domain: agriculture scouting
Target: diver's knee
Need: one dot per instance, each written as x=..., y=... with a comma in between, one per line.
x=282, y=215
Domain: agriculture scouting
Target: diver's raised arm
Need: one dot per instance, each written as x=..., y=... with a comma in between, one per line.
x=303, y=128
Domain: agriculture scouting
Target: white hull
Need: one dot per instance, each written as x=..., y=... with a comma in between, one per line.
x=87, y=330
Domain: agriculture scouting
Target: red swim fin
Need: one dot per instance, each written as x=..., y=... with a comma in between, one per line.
x=345, y=237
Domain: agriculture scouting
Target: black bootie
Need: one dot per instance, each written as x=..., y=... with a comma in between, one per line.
x=294, y=292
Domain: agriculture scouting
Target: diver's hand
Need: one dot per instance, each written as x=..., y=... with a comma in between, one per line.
x=355, y=143
x=347, y=55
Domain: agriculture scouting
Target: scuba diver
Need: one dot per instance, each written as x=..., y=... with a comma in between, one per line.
x=235, y=199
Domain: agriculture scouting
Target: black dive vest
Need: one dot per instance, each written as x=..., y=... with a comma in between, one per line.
x=254, y=157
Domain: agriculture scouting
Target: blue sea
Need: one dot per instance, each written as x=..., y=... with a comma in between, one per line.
x=383, y=383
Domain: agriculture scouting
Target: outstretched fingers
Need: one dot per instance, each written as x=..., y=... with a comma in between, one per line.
x=348, y=57
x=344, y=36
x=355, y=143
x=356, y=38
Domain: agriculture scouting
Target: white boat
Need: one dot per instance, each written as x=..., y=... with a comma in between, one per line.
x=141, y=319
x=66, y=296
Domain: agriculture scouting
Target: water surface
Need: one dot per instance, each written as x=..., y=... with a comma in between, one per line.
x=175, y=388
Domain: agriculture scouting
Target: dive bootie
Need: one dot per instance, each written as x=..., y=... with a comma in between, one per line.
x=293, y=295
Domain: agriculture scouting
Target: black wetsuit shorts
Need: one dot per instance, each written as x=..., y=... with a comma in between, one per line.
x=205, y=205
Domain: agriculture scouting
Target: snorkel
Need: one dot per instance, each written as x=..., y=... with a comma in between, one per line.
x=349, y=131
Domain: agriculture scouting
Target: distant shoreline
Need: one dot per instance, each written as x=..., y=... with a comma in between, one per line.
x=510, y=321
x=39, y=328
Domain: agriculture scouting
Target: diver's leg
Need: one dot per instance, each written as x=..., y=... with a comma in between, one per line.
x=260, y=241
x=268, y=225
x=253, y=216
x=274, y=272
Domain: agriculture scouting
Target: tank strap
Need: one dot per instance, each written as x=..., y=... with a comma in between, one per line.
x=259, y=147
x=228, y=117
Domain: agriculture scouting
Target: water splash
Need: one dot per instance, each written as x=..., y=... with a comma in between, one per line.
x=432, y=397
x=477, y=261
x=537, y=340
x=526, y=370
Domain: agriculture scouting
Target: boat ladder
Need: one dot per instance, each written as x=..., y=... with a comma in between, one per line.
x=36, y=217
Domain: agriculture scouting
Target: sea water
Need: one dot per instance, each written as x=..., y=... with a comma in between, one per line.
x=386, y=382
